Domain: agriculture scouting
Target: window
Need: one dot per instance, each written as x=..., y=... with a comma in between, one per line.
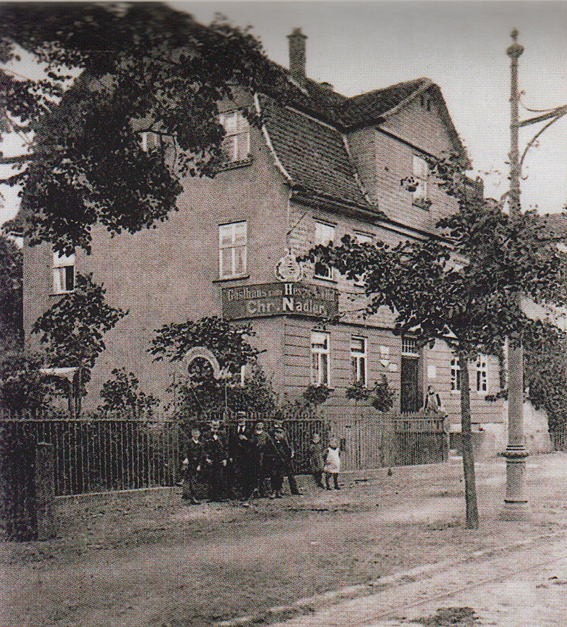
x=236, y=143
x=232, y=249
x=362, y=238
x=358, y=359
x=482, y=374
x=63, y=273
x=149, y=141
x=455, y=375
x=320, y=352
x=324, y=234
x=420, y=174
x=409, y=347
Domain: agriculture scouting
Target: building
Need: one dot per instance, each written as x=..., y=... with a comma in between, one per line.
x=321, y=166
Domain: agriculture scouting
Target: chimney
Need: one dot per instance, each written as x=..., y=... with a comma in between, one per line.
x=297, y=54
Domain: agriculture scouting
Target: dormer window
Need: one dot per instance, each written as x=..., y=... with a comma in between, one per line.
x=236, y=144
x=63, y=273
x=420, y=175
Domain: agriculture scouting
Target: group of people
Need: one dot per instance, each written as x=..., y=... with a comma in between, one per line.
x=241, y=464
x=247, y=463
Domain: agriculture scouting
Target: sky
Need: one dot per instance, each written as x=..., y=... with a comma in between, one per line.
x=459, y=44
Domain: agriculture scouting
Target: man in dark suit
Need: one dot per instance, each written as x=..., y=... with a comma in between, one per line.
x=216, y=459
x=240, y=472
x=192, y=466
x=279, y=426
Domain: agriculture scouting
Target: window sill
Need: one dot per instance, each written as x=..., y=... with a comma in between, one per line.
x=240, y=277
x=233, y=165
x=54, y=294
x=324, y=278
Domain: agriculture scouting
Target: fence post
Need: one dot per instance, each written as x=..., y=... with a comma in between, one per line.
x=44, y=490
x=17, y=458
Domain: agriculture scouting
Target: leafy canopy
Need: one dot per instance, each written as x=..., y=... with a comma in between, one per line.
x=229, y=344
x=122, y=395
x=72, y=330
x=467, y=287
x=112, y=73
x=11, y=330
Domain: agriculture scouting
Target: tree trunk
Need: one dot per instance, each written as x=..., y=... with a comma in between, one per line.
x=467, y=445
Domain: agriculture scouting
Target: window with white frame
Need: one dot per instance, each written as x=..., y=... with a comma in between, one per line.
x=320, y=358
x=236, y=143
x=420, y=174
x=233, y=242
x=149, y=141
x=362, y=238
x=358, y=359
x=482, y=374
x=63, y=273
x=455, y=375
x=409, y=347
x=324, y=235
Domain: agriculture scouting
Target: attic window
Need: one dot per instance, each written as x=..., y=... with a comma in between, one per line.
x=420, y=176
x=424, y=101
x=236, y=144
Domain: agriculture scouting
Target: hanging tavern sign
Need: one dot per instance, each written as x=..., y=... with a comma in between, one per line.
x=276, y=299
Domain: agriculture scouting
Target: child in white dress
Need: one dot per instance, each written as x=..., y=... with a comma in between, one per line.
x=332, y=464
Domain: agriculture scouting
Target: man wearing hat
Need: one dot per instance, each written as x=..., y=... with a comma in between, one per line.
x=260, y=455
x=216, y=459
x=288, y=469
x=240, y=472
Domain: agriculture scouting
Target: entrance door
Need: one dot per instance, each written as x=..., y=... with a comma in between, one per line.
x=409, y=397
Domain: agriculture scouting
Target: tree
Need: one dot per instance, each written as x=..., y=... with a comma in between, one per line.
x=465, y=288
x=545, y=371
x=122, y=395
x=200, y=391
x=11, y=329
x=116, y=75
x=72, y=330
x=23, y=388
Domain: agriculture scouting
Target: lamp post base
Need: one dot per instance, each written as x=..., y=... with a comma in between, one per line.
x=516, y=511
x=516, y=505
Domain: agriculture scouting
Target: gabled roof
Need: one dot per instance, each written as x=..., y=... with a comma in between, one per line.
x=368, y=109
x=375, y=106
x=313, y=155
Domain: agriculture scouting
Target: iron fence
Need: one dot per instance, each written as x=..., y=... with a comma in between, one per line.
x=370, y=439
x=95, y=454
x=559, y=439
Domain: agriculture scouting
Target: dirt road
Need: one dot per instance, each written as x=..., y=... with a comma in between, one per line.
x=125, y=561
x=524, y=586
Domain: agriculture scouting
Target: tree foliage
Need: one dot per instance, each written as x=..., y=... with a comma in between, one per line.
x=545, y=371
x=23, y=388
x=381, y=395
x=72, y=330
x=11, y=329
x=122, y=395
x=112, y=73
x=200, y=391
x=466, y=285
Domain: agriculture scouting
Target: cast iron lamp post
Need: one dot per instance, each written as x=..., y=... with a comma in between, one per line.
x=515, y=503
